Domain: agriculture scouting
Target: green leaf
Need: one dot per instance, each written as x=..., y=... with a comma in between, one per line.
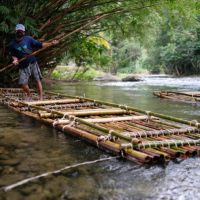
x=4, y=10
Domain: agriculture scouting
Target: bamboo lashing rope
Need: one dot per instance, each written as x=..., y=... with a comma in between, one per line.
x=161, y=132
x=169, y=143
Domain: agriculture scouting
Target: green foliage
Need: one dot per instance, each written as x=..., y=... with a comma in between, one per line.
x=88, y=75
x=66, y=73
x=175, y=48
x=84, y=50
x=127, y=26
x=125, y=53
x=4, y=10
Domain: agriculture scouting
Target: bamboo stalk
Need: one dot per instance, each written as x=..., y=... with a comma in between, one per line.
x=169, y=143
x=14, y=89
x=115, y=119
x=184, y=152
x=180, y=95
x=49, y=102
x=138, y=155
x=164, y=156
x=48, y=115
x=162, y=95
x=113, y=133
x=182, y=145
x=160, y=132
x=61, y=101
x=85, y=113
x=193, y=152
x=134, y=160
x=130, y=152
x=171, y=152
x=191, y=94
x=64, y=37
x=192, y=123
x=154, y=156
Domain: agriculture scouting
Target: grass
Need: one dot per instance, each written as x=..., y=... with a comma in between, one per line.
x=67, y=72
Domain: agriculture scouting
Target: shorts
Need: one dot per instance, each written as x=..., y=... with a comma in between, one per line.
x=32, y=70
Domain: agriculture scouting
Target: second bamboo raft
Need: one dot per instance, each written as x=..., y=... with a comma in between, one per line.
x=179, y=96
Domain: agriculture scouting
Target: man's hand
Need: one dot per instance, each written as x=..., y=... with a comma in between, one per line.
x=15, y=62
x=54, y=42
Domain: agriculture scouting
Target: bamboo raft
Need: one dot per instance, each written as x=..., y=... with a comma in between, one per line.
x=180, y=96
x=138, y=135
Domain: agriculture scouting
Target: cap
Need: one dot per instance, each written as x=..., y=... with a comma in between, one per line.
x=20, y=27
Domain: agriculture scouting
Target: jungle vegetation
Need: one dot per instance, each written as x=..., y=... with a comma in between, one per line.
x=157, y=35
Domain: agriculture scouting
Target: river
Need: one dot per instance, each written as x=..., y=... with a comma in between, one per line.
x=31, y=148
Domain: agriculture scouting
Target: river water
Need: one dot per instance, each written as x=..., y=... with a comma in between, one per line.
x=31, y=148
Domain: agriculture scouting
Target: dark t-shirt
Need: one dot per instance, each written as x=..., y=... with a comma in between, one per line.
x=27, y=42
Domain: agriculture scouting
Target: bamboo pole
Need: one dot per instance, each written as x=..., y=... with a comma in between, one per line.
x=192, y=151
x=163, y=95
x=73, y=118
x=139, y=156
x=191, y=94
x=192, y=123
x=184, y=152
x=104, y=120
x=160, y=132
x=108, y=145
x=48, y=115
x=181, y=96
x=49, y=102
x=128, y=151
x=171, y=152
x=169, y=143
x=64, y=37
x=113, y=133
x=15, y=90
x=61, y=101
x=164, y=156
x=154, y=156
x=103, y=112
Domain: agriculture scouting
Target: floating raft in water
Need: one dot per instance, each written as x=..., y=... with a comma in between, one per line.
x=138, y=135
x=180, y=96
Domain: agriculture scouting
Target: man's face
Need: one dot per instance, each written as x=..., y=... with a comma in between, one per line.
x=19, y=34
x=20, y=31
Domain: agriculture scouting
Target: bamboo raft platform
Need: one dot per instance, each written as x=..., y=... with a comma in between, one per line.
x=138, y=135
x=179, y=96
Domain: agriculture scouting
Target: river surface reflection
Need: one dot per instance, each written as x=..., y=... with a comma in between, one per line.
x=31, y=148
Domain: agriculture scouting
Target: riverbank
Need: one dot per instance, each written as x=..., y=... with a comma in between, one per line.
x=70, y=73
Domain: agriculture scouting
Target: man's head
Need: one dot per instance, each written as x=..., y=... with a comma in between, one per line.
x=19, y=27
x=19, y=31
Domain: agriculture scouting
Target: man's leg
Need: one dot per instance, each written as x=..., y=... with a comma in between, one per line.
x=38, y=77
x=39, y=86
x=26, y=89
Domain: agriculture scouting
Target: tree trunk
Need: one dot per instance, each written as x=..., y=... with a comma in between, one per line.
x=177, y=72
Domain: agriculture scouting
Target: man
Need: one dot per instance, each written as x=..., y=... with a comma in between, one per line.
x=20, y=48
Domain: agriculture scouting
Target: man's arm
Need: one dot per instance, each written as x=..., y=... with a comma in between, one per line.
x=54, y=42
x=15, y=60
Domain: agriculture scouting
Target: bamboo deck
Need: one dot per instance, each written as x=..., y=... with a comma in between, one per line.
x=138, y=135
x=179, y=96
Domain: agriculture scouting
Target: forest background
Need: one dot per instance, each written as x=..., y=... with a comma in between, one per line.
x=154, y=36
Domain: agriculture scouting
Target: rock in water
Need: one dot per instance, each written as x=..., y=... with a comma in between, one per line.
x=132, y=78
